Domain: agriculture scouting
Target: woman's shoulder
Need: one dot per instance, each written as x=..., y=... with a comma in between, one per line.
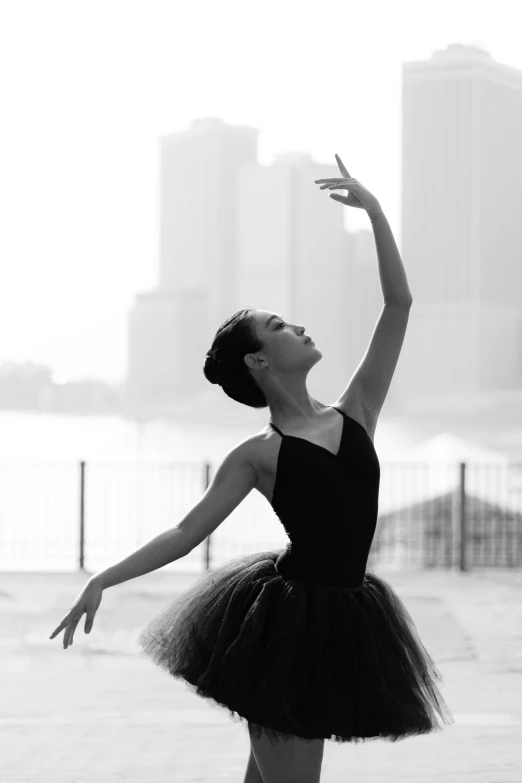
x=259, y=449
x=256, y=446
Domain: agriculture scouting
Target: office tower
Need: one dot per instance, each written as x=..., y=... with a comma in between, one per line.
x=461, y=228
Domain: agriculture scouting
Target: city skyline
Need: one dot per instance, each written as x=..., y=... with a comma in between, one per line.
x=89, y=189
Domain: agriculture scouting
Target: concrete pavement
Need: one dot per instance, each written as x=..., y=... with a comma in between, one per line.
x=98, y=712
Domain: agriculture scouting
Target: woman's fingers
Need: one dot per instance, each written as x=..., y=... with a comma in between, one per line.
x=336, y=185
x=60, y=627
x=87, y=603
x=343, y=182
x=69, y=633
x=69, y=622
x=341, y=165
x=344, y=186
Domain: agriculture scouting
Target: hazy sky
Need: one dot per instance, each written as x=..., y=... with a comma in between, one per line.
x=86, y=88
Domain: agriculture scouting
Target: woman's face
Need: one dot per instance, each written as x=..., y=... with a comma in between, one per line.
x=285, y=342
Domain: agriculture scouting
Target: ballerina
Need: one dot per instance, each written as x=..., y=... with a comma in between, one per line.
x=304, y=643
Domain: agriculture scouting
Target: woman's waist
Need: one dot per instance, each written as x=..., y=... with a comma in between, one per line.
x=329, y=568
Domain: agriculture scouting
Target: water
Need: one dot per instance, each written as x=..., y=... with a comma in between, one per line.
x=127, y=504
x=49, y=436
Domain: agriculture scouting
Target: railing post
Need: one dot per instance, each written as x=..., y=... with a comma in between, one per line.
x=463, y=519
x=206, y=481
x=82, y=516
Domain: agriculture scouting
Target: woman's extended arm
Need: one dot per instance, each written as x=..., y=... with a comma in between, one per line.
x=168, y=546
x=165, y=548
x=234, y=479
x=394, y=283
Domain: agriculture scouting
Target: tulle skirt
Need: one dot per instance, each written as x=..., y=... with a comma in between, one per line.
x=289, y=657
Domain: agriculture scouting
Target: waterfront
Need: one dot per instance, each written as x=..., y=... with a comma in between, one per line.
x=142, y=478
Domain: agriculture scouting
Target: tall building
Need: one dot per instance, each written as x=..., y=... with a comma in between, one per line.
x=295, y=259
x=461, y=228
x=171, y=327
x=233, y=234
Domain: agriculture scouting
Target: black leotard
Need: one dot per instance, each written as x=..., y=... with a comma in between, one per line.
x=328, y=505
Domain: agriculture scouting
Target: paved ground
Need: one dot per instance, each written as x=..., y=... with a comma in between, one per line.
x=97, y=712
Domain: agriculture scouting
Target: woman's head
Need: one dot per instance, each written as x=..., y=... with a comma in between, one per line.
x=254, y=352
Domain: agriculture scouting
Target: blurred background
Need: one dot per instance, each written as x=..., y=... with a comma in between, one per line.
x=158, y=163
x=157, y=167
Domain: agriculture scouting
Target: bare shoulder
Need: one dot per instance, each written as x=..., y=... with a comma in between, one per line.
x=246, y=450
x=250, y=446
x=259, y=451
x=238, y=464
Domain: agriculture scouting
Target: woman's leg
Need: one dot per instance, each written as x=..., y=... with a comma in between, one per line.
x=292, y=760
x=252, y=774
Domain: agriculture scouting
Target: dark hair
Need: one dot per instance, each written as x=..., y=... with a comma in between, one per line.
x=224, y=362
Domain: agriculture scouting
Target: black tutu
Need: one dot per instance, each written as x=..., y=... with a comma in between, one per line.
x=293, y=657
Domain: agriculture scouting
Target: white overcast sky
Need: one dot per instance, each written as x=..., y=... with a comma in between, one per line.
x=86, y=88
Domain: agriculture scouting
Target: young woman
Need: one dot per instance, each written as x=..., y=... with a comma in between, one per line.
x=306, y=643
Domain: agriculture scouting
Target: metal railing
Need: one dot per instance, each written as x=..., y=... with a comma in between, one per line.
x=461, y=515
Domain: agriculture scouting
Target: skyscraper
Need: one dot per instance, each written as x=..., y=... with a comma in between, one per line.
x=461, y=227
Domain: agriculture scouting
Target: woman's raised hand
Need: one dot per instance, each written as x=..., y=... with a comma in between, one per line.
x=358, y=196
x=87, y=602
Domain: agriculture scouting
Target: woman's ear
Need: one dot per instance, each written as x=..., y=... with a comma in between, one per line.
x=254, y=362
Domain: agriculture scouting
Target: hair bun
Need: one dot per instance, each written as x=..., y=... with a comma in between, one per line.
x=225, y=364
x=211, y=368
